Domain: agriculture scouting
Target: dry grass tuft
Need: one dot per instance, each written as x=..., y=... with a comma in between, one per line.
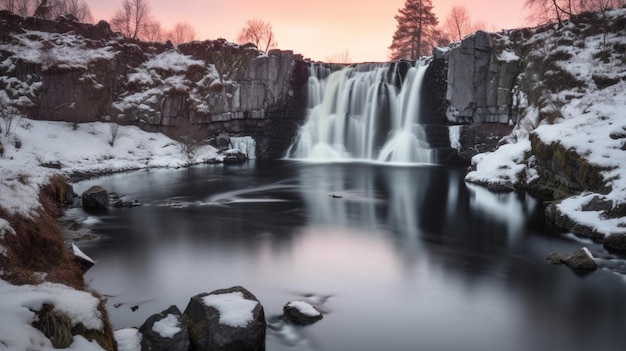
x=55, y=325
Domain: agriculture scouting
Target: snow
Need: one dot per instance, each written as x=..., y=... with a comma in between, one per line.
x=246, y=145
x=78, y=253
x=305, y=308
x=235, y=310
x=589, y=115
x=508, y=56
x=85, y=149
x=502, y=166
x=17, y=307
x=168, y=326
x=60, y=50
x=128, y=339
x=587, y=252
x=455, y=137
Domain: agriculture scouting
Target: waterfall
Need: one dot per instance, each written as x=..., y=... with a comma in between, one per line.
x=245, y=144
x=367, y=112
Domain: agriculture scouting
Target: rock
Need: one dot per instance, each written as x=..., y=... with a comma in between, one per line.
x=301, y=313
x=234, y=156
x=164, y=331
x=616, y=242
x=581, y=259
x=222, y=140
x=556, y=258
x=598, y=204
x=226, y=319
x=619, y=133
x=95, y=197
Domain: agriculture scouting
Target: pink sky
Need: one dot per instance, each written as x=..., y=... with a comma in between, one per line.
x=317, y=28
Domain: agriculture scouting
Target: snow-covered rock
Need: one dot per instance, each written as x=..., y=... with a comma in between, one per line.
x=165, y=332
x=302, y=313
x=226, y=319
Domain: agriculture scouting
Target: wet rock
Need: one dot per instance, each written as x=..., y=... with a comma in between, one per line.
x=581, y=259
x=301, y=313
x=616, y=242
x=556, y=258
x=234, y=156
x=165, y=332
x=227, y=320
x=95, y=197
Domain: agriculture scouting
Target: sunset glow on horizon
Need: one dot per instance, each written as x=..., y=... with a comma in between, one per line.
x=317, y=29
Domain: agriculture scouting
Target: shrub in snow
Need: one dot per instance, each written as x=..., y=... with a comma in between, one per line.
x=226, y=319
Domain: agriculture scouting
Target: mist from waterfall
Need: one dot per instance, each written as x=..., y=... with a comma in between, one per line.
x=367, y=112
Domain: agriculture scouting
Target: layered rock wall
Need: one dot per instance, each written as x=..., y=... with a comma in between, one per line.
x=481, y=80
x=69, y=71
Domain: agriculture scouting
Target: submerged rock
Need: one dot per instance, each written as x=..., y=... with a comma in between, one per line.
x=227, y=320
x=95, y=197
x=301, y=313
x=165, y=332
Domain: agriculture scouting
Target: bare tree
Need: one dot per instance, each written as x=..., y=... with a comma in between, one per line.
x=182, y=32
x=259, y=33
x=43, y=10
x=189, y=136
x=601, y=5
x=458, y=24
x=11, y=117
x=19, y=7
x=543, y=11
x=340, y=57
x=76, y=8
x=132, y=19
x=154, y=32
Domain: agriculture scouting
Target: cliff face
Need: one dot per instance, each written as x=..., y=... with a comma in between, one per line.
x=65, y=70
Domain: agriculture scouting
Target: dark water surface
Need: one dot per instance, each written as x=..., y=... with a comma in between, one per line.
x=409, y=258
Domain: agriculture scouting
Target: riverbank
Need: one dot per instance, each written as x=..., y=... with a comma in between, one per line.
x=571, y=141
x=39, y=279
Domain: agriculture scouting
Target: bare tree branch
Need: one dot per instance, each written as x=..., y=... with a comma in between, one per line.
x=258, y=33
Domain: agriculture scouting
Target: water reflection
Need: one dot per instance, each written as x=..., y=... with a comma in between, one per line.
x=399, y=257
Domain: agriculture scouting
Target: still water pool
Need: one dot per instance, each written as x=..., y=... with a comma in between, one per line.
x=401, y=258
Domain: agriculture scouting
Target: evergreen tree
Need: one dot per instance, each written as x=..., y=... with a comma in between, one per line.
x=414, y=36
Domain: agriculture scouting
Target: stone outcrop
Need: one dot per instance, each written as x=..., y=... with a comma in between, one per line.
x=480, y=80
x=227, y=320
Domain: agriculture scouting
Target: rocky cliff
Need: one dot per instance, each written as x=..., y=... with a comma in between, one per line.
x=65, y=70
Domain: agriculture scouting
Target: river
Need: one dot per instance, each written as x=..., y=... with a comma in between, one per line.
x=400, y=258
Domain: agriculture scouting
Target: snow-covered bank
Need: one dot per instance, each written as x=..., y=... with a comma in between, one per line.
x=582, y=109
x=34, y=151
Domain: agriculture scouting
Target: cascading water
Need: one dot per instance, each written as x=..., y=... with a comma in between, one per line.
x=368, y=112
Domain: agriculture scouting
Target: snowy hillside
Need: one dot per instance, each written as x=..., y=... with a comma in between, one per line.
x=575, y=83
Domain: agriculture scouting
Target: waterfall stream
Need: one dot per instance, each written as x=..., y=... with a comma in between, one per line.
x=367, y=112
